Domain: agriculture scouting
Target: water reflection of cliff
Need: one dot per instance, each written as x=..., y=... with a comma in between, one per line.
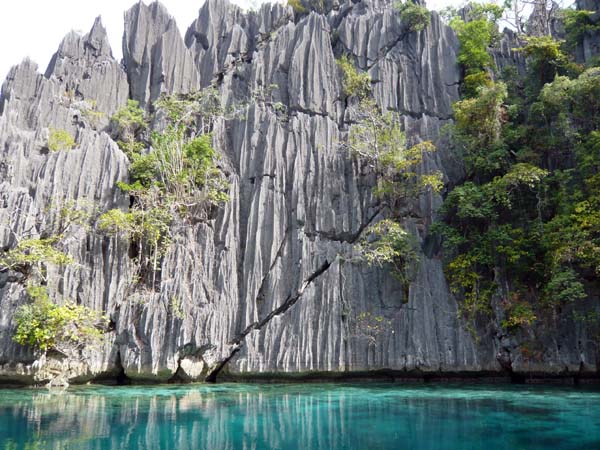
x=294, y=417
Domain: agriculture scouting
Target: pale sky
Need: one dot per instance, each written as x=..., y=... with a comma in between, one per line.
x=34, y=28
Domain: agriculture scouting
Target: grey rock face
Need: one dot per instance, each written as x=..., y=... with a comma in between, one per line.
x=272, y=284
x=154, y=54
x=36, y=183
x=590, y=45
x=505, y=55
x=218, y=38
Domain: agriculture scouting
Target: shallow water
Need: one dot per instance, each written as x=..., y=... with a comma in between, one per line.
x=301, y=416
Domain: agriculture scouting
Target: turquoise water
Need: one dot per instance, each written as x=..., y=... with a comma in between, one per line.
x=301, y=416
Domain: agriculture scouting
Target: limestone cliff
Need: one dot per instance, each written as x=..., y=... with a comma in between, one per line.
x=270, y=285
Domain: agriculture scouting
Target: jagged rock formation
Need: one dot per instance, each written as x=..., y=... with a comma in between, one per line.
x=154, y=55
x=271, y=284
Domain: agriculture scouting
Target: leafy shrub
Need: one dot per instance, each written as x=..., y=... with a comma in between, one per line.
x=478, y=126
x=60, y=140
x=44, y=325
x=147, y=228
x=354, y=82
x=177, y=180
x=33, y=252
x=130, y=118
x=128, y=123
x=195, y=110
x=546, y=60
x=474, y=81
x=116, y=221
x=369, y=326
x=564, y=286
x=378, y=139
x=520, y=314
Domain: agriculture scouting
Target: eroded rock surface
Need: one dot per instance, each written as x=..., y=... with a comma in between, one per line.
x=271, y=284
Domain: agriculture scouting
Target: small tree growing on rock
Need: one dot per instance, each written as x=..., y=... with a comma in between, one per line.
x=67, y=328
x=60, y=140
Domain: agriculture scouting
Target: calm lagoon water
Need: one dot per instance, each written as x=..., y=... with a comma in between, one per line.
x=301, y=416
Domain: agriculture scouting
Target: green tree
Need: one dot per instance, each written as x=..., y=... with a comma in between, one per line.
x=378, y=141
x=476, y=35
x=546, y=60
x=415, y=17
x=478, y=131
x=388, y=244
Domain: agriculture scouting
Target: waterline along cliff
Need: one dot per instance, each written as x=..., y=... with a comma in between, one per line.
x=265, y=262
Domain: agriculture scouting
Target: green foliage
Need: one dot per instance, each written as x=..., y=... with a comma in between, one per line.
x=78, y=213
x=33, y=253
x=519, y=176
x=183, y=170
x=60, y=140
x=368, y=326
x=474, y=81
x=546, y=60
x=389, y=244
x=297, y=6
x=378, y=139
x=478, y=126
x=129, y=122
x=177, y=180
x=195, y=110
x=147, y=226
x=520, y=314
x=176, y=310
x=470, y=202
x=301, y=7
x=115, y=221
x=415, y=17
x=481, y=117
x=130, y=118
x=571, y=104
x=90, y=112
x=131, y=148
x=475, y=36
x=524, y=224
x=578, y=23
x=45, y=326
x=564, y=286
x=354, y=83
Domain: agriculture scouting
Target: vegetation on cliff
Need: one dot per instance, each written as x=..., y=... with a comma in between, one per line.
x=523, y=226
x=377, y=140
x=173, y=178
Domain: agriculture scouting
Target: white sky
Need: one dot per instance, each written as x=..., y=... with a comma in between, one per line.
x=34, y=28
